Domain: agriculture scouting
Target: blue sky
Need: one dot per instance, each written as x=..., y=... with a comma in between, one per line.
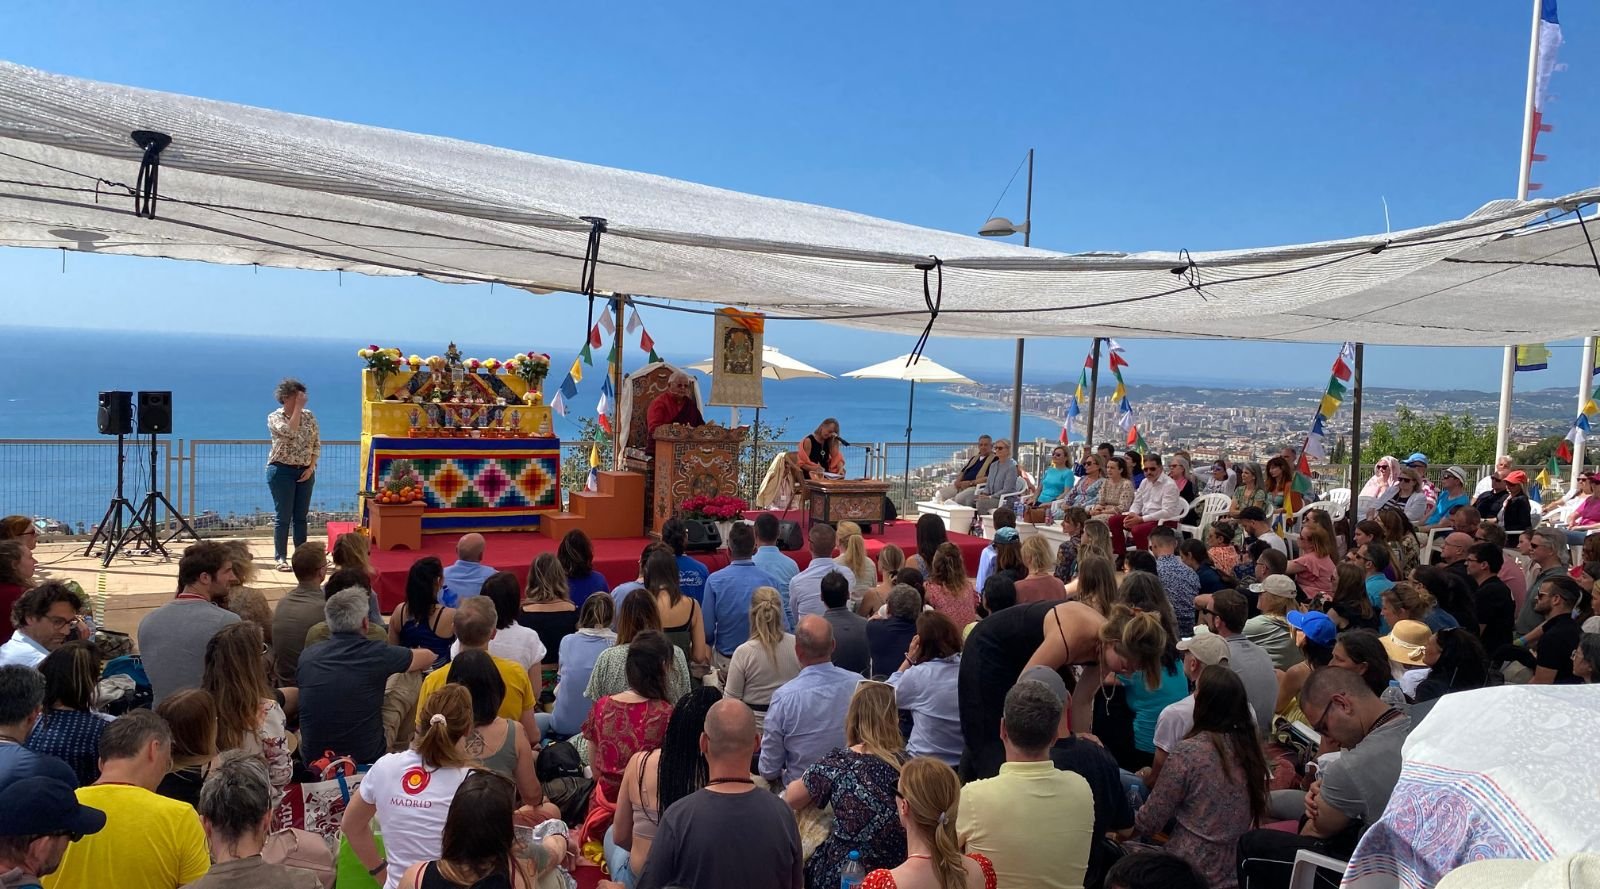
x=1158, y=125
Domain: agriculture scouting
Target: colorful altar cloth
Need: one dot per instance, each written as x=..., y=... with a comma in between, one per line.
x=477, y=484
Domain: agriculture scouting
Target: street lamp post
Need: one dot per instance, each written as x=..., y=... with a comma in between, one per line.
x=1001, y=227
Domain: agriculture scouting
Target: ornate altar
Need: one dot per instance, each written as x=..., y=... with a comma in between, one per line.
x=858, y=500
x=691, y=460
x=638, y=453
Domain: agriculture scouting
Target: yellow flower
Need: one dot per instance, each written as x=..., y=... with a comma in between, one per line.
x=414, y=360
x=364, y=354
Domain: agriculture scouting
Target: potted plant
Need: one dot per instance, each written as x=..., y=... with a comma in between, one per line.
x=723, y=509
x=532, y=367
x=382, y=363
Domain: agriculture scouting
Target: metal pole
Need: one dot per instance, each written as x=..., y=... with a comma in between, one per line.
x=1585, y=390
x=911, y=405
x=1502, y=438
x=618, y=302
x=1352, y=512
x=1016, y=380
x=1094, y=393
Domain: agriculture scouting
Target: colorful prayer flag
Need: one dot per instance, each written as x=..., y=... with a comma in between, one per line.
x=1532, y=356
x=1117, y=361
x=576, y=373
x=559, y=404
x=1328, y=406
x=593, y=481
x=633, y=320
x=608, y=324
x=569, y=387
x=594, y=335
x=653, y=357
x=1549, y=43
x=586, y=356
x=646, y=343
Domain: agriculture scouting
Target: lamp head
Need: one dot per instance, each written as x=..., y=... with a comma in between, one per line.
x=1001, y=227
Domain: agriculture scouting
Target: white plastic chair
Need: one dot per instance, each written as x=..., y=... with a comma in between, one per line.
x=1306, y=865
x=1340, y=498
x=1211, y=506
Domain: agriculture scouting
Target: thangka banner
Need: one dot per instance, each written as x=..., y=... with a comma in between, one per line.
x=736, y=355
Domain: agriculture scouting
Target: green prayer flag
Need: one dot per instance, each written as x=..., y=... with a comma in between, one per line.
x=1302, y=483
x=1336, y=388
x=654, y=358
x=586, y=355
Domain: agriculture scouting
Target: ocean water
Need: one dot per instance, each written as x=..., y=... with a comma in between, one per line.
x=222, y=389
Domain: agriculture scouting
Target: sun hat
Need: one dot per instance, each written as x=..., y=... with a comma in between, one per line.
x=1209, y=648
x=42, y=805
x=1317, y=626
x=1418, y=457
x=1458, y=472
x=1580, y=870
x=1281, y=585
x=1516, y=477
x=1047, y=677
x=1006, y=535
x=1406, y=641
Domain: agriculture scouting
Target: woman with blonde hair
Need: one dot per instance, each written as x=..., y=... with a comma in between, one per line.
x=1313, y=569
x=926, y=803
x=948, y=590
x=890, y=560
x=1138, y=646
x=547, y=607
x=243, y=599
x=410, y=792
x=765, y=661
x=1096, y=583
x=1041, y=584
x=610, y=674
x=353, y=550
x=248, y=715
x=861, y=778
x=853, y=555
x=1409, y=600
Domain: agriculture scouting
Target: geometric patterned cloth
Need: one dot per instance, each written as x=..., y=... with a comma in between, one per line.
x=472, y=484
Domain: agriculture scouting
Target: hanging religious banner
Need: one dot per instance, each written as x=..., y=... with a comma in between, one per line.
x=736, y=359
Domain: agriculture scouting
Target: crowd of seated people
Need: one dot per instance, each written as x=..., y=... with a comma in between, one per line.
x=1047, y=715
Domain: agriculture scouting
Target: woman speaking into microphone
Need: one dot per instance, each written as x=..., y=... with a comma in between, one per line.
x=291, y=467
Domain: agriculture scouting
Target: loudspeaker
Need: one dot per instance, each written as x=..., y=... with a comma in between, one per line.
x=116, y=413
x=155, y=413
x=789, y=536
x=703, y=537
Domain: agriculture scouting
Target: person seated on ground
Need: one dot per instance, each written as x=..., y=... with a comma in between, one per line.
x=409, y=809
x=464, y=577
x=243, y=599
x=475, y=621
x=1489, y=500
x=511, y=640
x=1350, y=794
x=1225, y=616
x=1452, y=496
x=948, y=590
x=1376, y=561
x=891, y=560
x=1153, y=870
x=1041, y=583
x=337, y=582
x=191, y=715
x=1362, y=652
x=851, y=649
x=172, y=639
x=1220, y=545
x=1197, y=558
x=1493, y=609
x=1450, y=589
x=45, y=617
x=236, y=811
x=1585, y=661
x=354, y=551
x=692, y=573
x=546, y=607
x=1456, y=662
x=1351, y=606
x=728, y=593
x=768, y=557
x=1003, y=482
x=39, y=817
x=576, y=555
x=249, y=717
x=858, y=782
x=925, y=686
x=821, y=452
x=421, y=621
x=578, y=655
x=148, y=840
x=1547, y=549
x=1407, y=645
x=654, y=780
x=676, y=405
x=1032, y=819
x=927, y=804
x=1409, y=600
x=68, y=728
x=478, y=846
x=765, y=661
x=1511, y=571
x=498, y=743
x=930, y=534
x=805, y=590
x=807, y=714
x=853, y=555
x=1313, y=568
x=1003, y=517
x=1073, y=522
x=1549, y=652
x=971, y=475
x=1156, y=502
x=610, y=674
x=1176, y=721
x=691, y=844
x=299, y=610
x=682, y=620
x=1179, y=579
x=22, y=694
x=1270, y=628
x=889, y=638
x=1314, y=637
x=343, y=681
x=1213, y=787
x=1054, y=482
x=1096, y=584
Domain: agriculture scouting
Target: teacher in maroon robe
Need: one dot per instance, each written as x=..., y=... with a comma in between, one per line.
x=676, y=405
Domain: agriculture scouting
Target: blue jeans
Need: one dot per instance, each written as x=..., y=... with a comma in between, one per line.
x=291, y=500
x=617, y=861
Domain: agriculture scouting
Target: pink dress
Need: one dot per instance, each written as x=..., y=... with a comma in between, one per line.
x=961, y=606
x=1316, y=574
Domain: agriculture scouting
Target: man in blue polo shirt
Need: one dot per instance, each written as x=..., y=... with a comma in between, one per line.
x=465, y=576
x=728, y=592
x=1453, y=493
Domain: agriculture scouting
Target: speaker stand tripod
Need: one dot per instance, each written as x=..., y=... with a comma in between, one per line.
x=145, y=517
x=111, y=531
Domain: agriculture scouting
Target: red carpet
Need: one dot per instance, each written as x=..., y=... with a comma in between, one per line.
x=618, y=560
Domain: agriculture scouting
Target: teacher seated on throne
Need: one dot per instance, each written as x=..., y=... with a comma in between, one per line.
x=820, y=451
x=676, y=405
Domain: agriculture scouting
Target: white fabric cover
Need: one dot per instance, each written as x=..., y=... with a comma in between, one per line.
x=245, y=185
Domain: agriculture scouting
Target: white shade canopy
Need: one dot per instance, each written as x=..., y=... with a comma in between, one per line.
x=923, y=370
x=774, y=366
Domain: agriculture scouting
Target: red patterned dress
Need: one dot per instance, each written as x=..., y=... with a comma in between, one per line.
x=883, y=879
x=616, y=730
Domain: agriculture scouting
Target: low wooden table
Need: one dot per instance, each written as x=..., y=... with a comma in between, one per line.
x=858, y=500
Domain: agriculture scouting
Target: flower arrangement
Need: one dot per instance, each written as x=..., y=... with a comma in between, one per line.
x=382, y=363
x=721, y=508
x=403, y=484
x=533, y=367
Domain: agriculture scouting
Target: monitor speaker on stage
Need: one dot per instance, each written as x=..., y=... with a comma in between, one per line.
x=789, y=536
x=703, y=536
x=116, y=413
x=155, y=413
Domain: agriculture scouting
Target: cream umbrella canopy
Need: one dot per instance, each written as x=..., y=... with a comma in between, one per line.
x=920, y=369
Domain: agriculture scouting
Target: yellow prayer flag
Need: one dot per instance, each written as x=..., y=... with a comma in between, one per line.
x=1329, y=406
x=594, y=455
x=577, y=370
x=1116, y=396
x=1591, y=408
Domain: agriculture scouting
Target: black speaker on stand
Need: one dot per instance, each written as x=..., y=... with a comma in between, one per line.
x=115, y=417
x=155, y=418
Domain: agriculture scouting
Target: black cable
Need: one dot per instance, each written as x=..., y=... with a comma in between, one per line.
x=591, y=259
x=934, y=300
x=147, y=187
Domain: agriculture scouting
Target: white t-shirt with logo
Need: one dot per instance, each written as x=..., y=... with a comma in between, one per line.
x=412, y=802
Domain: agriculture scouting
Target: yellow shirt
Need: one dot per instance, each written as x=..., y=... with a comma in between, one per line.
x=519, y=691
x=149, y=842
x=1034, y=822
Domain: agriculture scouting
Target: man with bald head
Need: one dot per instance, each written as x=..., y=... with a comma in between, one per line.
x=676, y=405
x=692, y=845
x=805, y=720
x=464, y=578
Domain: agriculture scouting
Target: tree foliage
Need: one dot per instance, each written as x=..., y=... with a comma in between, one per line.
x=1443, y=438
x=1538, y=453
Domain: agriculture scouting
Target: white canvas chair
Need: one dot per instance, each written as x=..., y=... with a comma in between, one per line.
x=1211, y=507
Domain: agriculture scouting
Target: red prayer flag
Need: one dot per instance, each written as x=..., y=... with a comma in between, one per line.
x=1564, y=450
x=594, y=336
x=1341, y=370
x=1118, y=361
x=646, y=344
x=1133, y=434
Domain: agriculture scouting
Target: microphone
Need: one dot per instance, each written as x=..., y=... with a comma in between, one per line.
x=841, y=440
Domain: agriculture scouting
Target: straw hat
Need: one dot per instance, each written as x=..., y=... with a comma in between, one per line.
x=1578, y=871
x=1406, y=641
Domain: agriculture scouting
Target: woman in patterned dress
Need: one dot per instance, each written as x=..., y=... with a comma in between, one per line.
x=926, y=804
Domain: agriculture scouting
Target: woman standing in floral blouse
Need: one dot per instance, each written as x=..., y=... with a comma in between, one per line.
x=291, y=467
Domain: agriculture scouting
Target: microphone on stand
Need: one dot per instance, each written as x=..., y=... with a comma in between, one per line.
x=842, y=441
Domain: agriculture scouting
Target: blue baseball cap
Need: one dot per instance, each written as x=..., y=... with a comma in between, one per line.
x=1317, y=626
x=40, y=805
x=1418, y=457
x=1006, y=535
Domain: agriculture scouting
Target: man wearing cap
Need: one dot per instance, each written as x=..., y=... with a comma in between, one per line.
x=39, y=816
x=1453, y=495
x=1276, y=597
x=1419, y=462
x=21, y=702
x=1033, y=821
x=1491, y=495
x=1177, y=719
x=1004, y=517
x=1221, y=479
x=1254, y=522
x=1091, y=761
x=1226, y=617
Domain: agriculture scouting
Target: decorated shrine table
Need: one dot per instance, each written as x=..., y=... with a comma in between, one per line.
x=858, y=500
x=476, y=484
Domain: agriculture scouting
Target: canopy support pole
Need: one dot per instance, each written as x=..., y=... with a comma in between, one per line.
x=1502, y=429
x=1016, y=401
x=1094, y=394
x=1352, y=515
x=911, y=405
x=617, y=303
x=1502, y=437
x=1585, y=391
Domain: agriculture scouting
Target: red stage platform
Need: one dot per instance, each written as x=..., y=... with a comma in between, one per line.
x=618, y=559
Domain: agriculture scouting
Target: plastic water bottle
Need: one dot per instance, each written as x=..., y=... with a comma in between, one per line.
x=852, y=874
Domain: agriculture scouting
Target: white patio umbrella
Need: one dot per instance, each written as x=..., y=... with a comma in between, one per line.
x=774, y=366
x=922, y=370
